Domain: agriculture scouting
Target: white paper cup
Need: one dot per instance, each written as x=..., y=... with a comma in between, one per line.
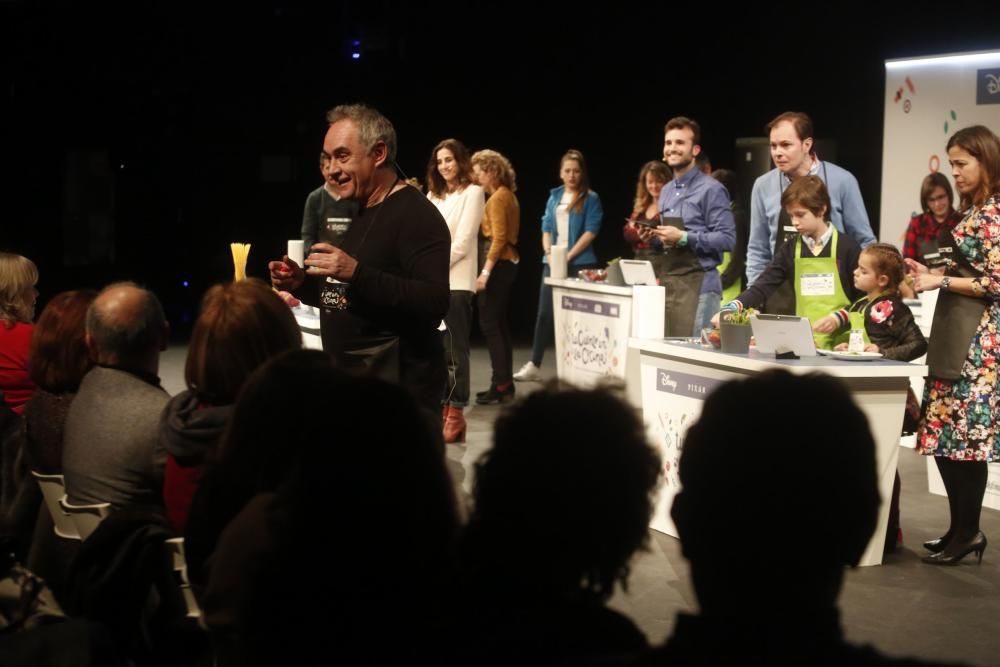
x=557, y=261
x=296, y=252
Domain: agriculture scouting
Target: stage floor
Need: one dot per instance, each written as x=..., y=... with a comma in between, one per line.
x=903, y=607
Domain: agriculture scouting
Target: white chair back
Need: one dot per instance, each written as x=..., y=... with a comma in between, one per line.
x=175, y=547
x=85, y=517
x=53, y=488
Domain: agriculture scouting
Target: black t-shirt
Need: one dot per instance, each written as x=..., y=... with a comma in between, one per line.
x=399, y=290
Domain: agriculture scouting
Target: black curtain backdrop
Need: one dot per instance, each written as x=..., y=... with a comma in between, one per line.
x=141, y=139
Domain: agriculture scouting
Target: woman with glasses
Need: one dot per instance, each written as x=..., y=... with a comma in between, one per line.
x=938, y=211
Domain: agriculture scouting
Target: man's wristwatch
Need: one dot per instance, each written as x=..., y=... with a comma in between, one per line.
x=946, y=283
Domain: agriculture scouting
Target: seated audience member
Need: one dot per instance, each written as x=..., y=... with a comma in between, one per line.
x=18, y=276
x=241, y=326
x=561, y=504
x=343, y=523
x=111, y=452
x=57, y=361
x=798, y=516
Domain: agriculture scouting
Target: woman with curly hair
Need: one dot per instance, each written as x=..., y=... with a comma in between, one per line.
x=961, y=407
x=498, y=257
x=652, y=177
x=18, y=276
x=461, y=203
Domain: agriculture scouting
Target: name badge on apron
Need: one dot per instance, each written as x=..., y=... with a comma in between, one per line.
x=817, y=284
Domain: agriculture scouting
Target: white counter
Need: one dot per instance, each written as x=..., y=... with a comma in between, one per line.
x=593, y=323
x=669, y=380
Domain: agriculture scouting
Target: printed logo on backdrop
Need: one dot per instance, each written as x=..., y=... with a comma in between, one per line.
x=682, y=384
x=988, y=86
x=590, y=306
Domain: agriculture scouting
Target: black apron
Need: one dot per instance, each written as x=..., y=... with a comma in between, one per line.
x=782, y=300
x=359, y=345
x=929, y=251
x=956, y=316
x=682, y=277
x=654, y=258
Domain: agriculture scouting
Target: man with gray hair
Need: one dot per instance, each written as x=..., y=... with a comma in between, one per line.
x=111, y=452
x=383, y=283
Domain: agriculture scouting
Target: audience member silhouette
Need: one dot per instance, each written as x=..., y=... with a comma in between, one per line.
x=769, y=519
x=18, y=277
x=561, y=504
x=338, y=548
x=57, y=362
x=241, y=325
x=110, y=448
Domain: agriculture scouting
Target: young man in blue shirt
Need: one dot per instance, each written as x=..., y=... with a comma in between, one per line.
x=692, y=250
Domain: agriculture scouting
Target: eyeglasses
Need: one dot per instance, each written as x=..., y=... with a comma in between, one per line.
x=941, y=197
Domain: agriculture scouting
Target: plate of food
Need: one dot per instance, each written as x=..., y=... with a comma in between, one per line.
x=593, y=275
x=851, y=356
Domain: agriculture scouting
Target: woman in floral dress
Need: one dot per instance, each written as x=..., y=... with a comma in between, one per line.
x=961, y=405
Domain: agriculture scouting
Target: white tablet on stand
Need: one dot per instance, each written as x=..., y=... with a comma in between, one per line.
x=780, y=334
x=637, y=272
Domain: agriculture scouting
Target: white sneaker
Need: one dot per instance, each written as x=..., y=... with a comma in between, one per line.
x=528, y=373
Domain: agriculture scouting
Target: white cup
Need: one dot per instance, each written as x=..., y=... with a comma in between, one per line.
x=296, y=252
x=557, y=261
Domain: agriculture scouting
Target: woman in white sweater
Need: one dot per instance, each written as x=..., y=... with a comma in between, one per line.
x=461, y=202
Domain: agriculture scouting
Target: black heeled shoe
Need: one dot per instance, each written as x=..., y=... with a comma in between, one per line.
x=977, y=544
x=938, y=545
x=496, y=395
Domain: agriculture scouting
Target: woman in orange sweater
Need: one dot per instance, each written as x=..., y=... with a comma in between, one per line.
x=498, y=257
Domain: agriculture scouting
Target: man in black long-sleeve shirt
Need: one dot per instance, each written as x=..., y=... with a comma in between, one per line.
x=384, y=289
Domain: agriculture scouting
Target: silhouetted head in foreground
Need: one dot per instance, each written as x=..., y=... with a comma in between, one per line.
x=564, y=498
x=780, y=493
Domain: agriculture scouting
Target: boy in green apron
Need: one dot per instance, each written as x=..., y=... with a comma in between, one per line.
x=820, y=261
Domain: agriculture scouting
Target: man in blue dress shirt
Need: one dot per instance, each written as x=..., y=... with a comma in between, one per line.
x=791, y=135
x=696, y=228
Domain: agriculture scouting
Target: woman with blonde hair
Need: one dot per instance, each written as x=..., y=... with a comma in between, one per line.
x=18, y=277
x=498, y=257
x=461, y=203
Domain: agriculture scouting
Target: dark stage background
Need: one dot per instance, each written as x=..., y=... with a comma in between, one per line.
x=139, y=140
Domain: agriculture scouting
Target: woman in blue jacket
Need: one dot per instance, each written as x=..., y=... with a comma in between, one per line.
x=572, y=218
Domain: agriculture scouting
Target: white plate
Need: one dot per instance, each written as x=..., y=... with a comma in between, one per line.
x=851, y=356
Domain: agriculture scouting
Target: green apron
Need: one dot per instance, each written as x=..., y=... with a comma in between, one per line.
x=729, y=293
x=856, y=320
x=818, y=291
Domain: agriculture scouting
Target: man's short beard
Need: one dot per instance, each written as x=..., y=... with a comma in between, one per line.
x=681, y=166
